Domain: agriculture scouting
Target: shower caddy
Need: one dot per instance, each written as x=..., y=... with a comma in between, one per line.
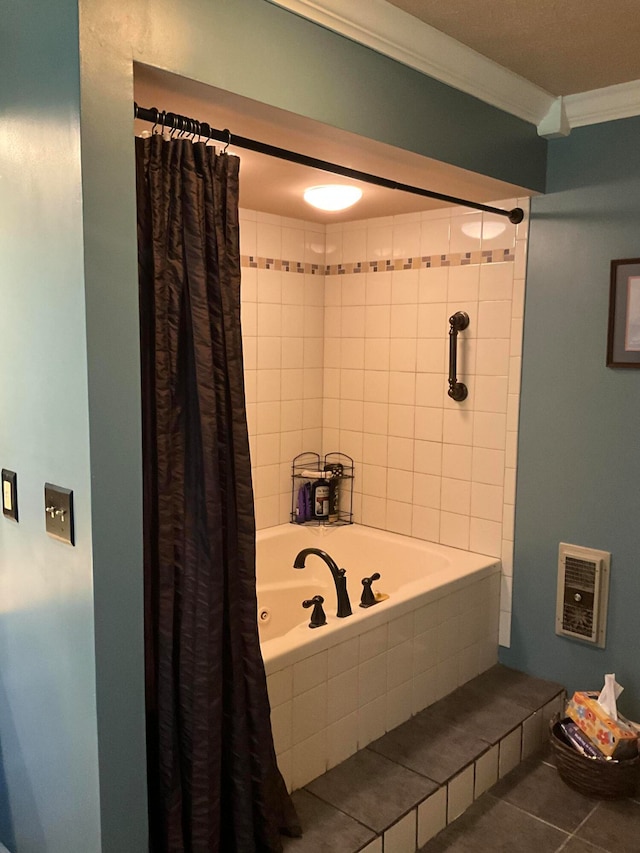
x=308, y=467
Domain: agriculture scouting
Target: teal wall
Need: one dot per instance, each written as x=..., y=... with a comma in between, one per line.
x=48, y=738
x=72, y=774
x=579, y=446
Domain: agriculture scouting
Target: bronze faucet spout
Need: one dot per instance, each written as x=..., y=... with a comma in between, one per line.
x=339, y=577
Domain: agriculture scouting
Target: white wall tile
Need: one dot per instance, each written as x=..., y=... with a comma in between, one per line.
x=399, y=664
x=425, y=689
x=454, y=530
x=342, y=657
x=490, y=430
x=426, y=524
x=486, y=501
x=342, y=740
x=407, y=239
x=371, y=721
x=310, y=673
x=378, y=288
x=399, y=485
x=282, y=726
x=342, y=695
x=496, y=282
x=376, y=353
x=488, y=466
x=378, y=321
x=460, y=793
x=463, y=283
x=432, y=816
x=309, y=713
x=429, y=423
x=510, y=750
x=401, y=837
x=376, y=386
x=433, y=320
x=534, y=735
x=457, y=426
x=486, y=774
x=485, y=537
x=428, y=458
x=456, y=496
x=399, y=704
x=374, y=847
x=309, y=760
x=494, y=319
x=456, y=461
x=434, y=236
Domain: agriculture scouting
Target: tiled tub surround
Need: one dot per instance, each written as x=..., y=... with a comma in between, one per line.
x=405, y=787
x=335, y=689
x=347, y=327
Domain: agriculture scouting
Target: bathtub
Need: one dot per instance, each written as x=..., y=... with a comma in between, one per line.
x=336, y=688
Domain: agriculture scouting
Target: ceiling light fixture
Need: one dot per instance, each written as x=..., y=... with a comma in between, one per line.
x=332, y=196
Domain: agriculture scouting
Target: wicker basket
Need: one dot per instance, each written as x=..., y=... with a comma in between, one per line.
x=606, y=780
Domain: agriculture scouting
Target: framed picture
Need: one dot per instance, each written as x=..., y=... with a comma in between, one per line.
x=623, y=341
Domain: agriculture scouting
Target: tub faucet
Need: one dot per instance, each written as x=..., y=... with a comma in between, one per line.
x=339, y=577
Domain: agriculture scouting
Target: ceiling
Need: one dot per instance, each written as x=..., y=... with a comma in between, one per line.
x=563, y=46
x=276, y=186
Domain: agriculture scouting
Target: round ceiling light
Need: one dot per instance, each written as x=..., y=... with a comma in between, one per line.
x=332, y=196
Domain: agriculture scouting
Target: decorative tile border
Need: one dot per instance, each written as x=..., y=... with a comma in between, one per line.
x=455, y=259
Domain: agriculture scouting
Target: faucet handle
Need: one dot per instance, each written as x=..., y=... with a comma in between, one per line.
x=368, y=598
x=318, y=617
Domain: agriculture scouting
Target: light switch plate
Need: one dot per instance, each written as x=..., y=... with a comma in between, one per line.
x=58, y=513
x=9, y=494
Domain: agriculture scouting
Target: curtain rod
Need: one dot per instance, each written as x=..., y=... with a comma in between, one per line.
x=191, y=126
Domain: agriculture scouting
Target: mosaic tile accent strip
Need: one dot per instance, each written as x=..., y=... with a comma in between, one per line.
x=282, y=265
x=456, y=259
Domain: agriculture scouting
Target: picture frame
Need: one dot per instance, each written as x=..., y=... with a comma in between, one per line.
x=623, y=339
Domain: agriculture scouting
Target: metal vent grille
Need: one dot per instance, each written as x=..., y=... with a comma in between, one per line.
x=583, y=583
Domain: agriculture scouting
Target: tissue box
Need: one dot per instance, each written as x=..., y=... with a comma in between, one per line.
x=617, y=739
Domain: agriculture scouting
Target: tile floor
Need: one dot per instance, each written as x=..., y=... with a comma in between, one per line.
x=532, y=811
x=398, y=794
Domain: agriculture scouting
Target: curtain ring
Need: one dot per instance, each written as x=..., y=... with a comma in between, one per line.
x=155, y=123
x=163, y=117
x=224, y=150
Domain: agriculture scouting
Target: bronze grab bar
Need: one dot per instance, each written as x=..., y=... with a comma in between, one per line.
x=458, y=391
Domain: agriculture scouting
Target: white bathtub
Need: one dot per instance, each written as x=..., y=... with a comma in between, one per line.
x=336, y=688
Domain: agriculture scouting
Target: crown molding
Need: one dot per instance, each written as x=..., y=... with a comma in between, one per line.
x=394, y=33
x=608, y=104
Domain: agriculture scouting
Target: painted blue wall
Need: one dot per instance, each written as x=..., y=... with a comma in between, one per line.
x=579, y=445
x=48, y=739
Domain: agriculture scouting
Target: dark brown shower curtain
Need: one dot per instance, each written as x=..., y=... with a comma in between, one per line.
x=214, y=786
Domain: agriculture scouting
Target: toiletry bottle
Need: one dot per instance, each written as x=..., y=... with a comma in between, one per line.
x=334, y=490
x=320, y=498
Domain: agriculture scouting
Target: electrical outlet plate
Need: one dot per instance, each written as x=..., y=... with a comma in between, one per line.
x=9, y=494
x=58, y=503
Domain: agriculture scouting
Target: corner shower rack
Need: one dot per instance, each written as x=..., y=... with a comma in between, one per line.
x=309, y=466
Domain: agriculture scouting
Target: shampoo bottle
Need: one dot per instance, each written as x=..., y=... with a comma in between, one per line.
x=320, y=499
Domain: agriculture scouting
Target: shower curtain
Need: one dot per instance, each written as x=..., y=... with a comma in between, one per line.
x=214, y=786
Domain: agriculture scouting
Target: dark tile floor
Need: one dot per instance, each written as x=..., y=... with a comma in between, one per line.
x=532, y=811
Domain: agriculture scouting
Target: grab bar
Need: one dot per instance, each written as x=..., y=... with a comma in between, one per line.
x=457, y=390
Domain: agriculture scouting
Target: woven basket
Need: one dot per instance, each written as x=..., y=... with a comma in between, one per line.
x=606, y=780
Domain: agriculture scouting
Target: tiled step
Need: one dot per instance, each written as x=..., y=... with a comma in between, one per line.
x=398, y=792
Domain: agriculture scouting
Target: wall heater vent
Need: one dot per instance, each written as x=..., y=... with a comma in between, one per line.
x=583, y=593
